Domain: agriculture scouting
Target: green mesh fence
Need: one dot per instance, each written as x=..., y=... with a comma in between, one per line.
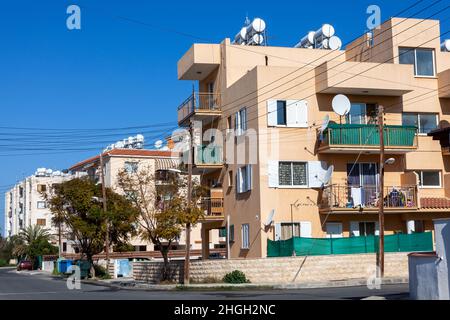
x=308, y=246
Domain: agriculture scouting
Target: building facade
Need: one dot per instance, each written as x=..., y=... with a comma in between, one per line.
x=263, y=143
x=161, y=162
x=25, y=206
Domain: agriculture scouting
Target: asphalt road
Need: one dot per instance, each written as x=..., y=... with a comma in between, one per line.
x=26, y=286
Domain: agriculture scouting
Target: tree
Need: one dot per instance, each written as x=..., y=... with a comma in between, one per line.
x=77, y=204
x=32, y=242
x=163, y=210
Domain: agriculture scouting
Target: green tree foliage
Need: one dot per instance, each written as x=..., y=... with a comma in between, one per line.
x=163, y=208
x=77, y=204
x=32, y=242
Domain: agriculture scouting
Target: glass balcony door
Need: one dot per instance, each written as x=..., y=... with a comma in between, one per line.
x=362, y=184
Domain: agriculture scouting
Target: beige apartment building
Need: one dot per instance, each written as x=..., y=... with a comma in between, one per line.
x=25, y=206
x=163, y=163
x=273, y=102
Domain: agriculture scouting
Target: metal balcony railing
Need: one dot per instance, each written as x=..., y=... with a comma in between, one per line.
x=199, y=102
x=368, y=135
x=367, y=197
x=212, y=207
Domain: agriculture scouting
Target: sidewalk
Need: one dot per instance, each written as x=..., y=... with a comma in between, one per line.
x=136, y=285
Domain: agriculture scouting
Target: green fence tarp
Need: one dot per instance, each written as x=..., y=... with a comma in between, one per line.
x=418, y=242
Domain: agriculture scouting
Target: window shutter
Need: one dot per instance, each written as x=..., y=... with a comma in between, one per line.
x=249, y=177
x=272, y=116
x=277, y=231
x=305, y=229
x=354, y=229
x=237, y=123
x=316, y=173
x=244, y=119
x=240, y=182
x=297, y=113
x=377, y=229
x=273, y=174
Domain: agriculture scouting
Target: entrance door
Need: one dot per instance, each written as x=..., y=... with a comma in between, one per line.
x=362, y=184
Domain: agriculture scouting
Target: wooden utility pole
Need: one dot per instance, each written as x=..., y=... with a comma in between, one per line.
x=187, y=259
x=380, y=256
x=102, y=175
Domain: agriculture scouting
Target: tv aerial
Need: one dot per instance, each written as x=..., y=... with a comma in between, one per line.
x=341, y=105
x=270, y=218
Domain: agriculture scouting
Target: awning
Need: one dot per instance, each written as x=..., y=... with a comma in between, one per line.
x=166, y=164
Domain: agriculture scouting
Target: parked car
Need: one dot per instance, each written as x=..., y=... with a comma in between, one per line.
x=216, y=255
x=138, y=259
x=25, y=265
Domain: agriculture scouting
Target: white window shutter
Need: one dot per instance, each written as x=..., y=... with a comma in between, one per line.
x=249, y=177
x=238, y=181
x=237, y=121
x=305, y=229
x=316, y=173
x=272, y=116
x=297, y=113
x=354, y=229
x=277, y=231
x=273, y=176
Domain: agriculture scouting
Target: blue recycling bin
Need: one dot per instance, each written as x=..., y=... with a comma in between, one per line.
x=64, y=265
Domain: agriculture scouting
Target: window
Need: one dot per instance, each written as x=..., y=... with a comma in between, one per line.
x=131, y=167
x=41, y=188
x=245, y=236
x=422, y=59
x=231, y=239
x=361, y=113
x=241, y=121
x=244, y=179
x=223, y=233
x=419, y=226
x=140, y=248
x=64, y=248
x=286, y=230
x=287, y=113
x=281, y=113
x=229, y=123
x=429, y=179
x=41, y=205
x=367, y=229
x=41, y=222
x=425, y=122
x=292, y=174
x=334, y=230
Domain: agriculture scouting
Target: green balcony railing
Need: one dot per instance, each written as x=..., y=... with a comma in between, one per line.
x=368, y=135
x=209, y=155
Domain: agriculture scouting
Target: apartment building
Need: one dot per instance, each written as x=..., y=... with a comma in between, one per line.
x=25, y=206
x=163, y=163
x=257, y=122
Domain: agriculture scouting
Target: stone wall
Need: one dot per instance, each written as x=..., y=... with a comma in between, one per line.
x=282, y=270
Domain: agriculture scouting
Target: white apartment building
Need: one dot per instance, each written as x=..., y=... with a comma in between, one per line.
x=25, y=206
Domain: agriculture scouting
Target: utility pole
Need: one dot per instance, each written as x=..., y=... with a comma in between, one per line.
x=380, y=256
x=102, y=175
x=187, y=259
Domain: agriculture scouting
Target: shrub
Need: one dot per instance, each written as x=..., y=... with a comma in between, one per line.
x=235, y=277
x=3, y=263
x=101, y=272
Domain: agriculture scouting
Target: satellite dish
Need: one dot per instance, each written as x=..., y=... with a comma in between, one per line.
x=341, y=105
x=270, y=218
x=159, y=144
x=325, y=123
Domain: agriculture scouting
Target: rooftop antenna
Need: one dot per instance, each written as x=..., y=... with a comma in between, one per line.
x=270, y=219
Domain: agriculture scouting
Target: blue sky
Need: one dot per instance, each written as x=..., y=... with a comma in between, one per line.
x=114, y=73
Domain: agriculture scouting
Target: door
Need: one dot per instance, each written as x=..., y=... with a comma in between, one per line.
x=334, y=230
x=362, y=179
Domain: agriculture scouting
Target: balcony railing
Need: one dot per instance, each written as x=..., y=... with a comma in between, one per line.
x=199, y=102
x=209, y=155
x=356, y=135
x=367, y=197
x=212, y=207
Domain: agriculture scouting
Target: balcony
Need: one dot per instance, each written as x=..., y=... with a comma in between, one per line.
x=208, y=158
x=212, y=208
x=364, y=78
x=354, y=138
x=444, y=84
x=341, y=199
x=199, y=62
x=201, y=106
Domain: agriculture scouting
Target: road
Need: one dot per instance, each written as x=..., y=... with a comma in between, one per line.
x=25, y=286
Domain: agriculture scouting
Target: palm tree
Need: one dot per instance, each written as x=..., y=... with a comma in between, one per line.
x=33, y=242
